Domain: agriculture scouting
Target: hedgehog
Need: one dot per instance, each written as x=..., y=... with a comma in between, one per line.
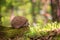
x=19, y=22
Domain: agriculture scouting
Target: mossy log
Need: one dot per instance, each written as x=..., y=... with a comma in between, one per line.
x=9, y=32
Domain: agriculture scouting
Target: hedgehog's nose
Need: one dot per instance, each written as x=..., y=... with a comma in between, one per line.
x=26, y=24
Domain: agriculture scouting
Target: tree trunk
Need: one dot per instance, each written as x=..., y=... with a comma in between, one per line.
x=55, y=6
x=0, y=17
x=33, y=11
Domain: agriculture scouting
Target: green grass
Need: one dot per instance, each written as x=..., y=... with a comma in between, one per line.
x=42, y=30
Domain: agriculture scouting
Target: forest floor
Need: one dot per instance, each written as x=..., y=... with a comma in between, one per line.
x=52, y=35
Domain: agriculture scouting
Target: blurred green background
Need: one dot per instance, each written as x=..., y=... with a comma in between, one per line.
x=34, y=10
